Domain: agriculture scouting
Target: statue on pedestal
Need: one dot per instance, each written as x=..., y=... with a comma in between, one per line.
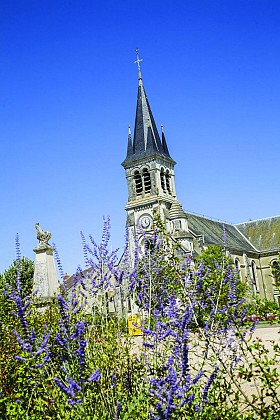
x=45, y=281
x=43, y=238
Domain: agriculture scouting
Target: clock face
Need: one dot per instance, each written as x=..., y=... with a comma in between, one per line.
x=145, y=222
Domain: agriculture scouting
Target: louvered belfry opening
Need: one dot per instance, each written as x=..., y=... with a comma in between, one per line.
x=167, y=179
x=162, y=180
x=147, y=180
x=138, y=183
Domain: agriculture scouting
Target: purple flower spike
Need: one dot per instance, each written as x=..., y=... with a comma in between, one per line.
x=118, y=412
x=94, y=376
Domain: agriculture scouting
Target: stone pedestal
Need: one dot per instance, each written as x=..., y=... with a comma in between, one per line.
x=45, y=280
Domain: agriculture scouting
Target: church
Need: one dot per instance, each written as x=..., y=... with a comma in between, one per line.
x=149, y=171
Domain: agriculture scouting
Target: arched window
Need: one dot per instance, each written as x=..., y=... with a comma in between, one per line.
x=149, y=244
x=237, y=266
x=147, y=180
x=162, y=180
x=254, y=276
x=167, y=180
x=138, y=183
x=275, y=272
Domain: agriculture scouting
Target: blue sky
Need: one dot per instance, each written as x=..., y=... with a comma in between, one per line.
x=68, y=92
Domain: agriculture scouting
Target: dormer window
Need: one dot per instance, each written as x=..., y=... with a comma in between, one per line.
x=146, y=180
x=138, y=183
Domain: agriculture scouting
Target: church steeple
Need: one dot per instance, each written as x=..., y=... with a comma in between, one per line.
x=146, y=140
x=149, y=172
x=149, y=168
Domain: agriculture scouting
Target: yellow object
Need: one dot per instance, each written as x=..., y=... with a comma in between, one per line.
x=133, y=323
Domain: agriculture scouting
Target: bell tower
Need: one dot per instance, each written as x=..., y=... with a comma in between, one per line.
x=149, y=168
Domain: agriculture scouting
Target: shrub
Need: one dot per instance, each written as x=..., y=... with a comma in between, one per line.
x=76, y=361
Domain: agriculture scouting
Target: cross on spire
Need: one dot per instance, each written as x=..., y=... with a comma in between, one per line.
x=138, y=60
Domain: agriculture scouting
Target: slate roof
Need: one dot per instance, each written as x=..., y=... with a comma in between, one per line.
x=264, y=234
x=146, y=141
x=215, y=231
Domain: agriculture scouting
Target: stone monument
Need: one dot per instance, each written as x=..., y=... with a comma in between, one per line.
x=45, y=280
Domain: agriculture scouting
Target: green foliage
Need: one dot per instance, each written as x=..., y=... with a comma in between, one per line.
x=30, y=393
x=213, y=255
x=8, y=280
x=261, y=369
x=27, y=392
x=158, y=268
x=216, y=266
x=26, y=269
x=263, y=310
x=121, y=371
x=8, y=366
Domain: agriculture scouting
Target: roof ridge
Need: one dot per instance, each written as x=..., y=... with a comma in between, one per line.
x=208, y=217
x=257, y=220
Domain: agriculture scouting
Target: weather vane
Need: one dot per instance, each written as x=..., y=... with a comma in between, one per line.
x=138, y=60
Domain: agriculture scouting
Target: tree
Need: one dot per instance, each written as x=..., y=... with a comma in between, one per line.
x=158, y=269
x=220, y=276
x=212, y=256
x=24, y=268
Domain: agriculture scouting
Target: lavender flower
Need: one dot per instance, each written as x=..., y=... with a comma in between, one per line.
x=94, y=376
x=71, y=389
x=113, y=379
x=118, y=411
x=208, y=385
x=102, y=275
x=58, y=261
x=35, y=349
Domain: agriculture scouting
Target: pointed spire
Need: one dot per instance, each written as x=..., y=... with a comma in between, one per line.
x=151, y=147
x=129, y=144
x=163, y=141
x=146, y=140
